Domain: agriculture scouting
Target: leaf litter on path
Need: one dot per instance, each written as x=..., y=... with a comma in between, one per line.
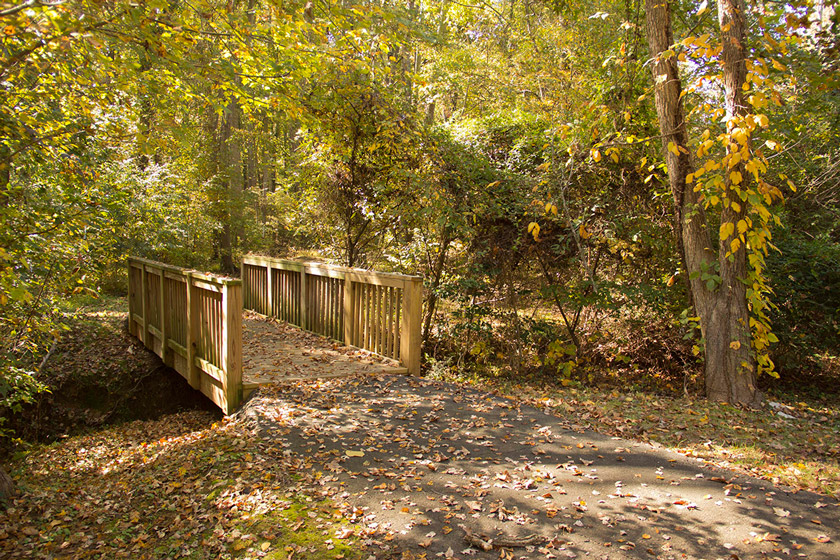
x=429, y=465
x=445, y=467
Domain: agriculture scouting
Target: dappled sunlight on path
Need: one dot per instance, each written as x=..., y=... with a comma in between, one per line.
x=428, y=468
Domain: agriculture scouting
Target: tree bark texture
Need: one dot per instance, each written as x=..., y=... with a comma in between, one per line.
x=723, y=312
x=730, y=371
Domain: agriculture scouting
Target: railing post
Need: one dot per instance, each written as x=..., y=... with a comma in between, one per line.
x=232, y=345
x=193, y=373
x=410, y=325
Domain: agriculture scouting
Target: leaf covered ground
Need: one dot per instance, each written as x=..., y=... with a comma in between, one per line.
x=792, y=442
x=442, y=470
x=405, y=468
x=396, y=467
x=180, y=487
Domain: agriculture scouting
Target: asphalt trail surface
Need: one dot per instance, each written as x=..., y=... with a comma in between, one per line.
x=421, y=467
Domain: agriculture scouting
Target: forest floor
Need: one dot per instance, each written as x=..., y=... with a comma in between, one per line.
x=338, y=469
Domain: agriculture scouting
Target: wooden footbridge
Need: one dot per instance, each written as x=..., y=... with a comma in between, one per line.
x=284, y=319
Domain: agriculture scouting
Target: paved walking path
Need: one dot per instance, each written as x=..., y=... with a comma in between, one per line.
x=424, y=469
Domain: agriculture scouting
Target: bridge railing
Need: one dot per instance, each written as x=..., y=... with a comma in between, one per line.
x=193, y=321
x=376, y=311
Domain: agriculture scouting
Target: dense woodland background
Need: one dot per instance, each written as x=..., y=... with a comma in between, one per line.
x=507, y=150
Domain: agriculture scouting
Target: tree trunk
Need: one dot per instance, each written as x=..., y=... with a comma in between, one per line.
x=733, y=379
x=723, y=312
x=437, y=273
x=7, y=485
x=230, y=150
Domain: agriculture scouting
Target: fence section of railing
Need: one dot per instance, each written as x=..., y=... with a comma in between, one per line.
x=379, y=312
x=193, y=321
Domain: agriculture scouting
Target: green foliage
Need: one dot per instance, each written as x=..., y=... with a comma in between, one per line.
x=804, y=277
x=17, y=388
x=507, y=151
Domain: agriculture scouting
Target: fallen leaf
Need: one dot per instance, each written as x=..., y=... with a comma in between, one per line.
x=781, y=512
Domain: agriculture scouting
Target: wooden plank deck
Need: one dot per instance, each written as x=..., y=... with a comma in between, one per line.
x=274, y=351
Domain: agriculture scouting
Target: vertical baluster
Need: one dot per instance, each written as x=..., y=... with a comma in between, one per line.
x=319, y=298
x=363, y=307
x=332, y=315
x=328, y=324
x=368, y=315
x=217, y=333
x=325, y=282
x=338, y=289
x=398, y=318
x=282, y=296
x=357, y=314
x=376, y=321
x=389, y=322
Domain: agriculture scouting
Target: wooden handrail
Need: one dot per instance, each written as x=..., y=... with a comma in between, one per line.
x=377, y=311
x=193, y=321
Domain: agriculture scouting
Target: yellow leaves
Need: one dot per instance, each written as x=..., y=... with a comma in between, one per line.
x=534, y=229
x=736, y=178
x=352, y=453
x=779, y=66
x=754, y=166
x=735, y=245
x=762, y=121
x=583, y=233
x=740, y=135
x=704, y=147
x=597, y=156
x=735, y=345
x=726, y=230
x=742, y=226
x=550, y=208
x=673, y=148
x=9, y=30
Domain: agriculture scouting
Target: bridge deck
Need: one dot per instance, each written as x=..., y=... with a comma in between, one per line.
x=274, y=351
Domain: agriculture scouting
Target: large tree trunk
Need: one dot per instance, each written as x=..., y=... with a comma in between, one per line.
x=7, y=485
x=230, y=150
x=723, y=312
x=732, y=377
